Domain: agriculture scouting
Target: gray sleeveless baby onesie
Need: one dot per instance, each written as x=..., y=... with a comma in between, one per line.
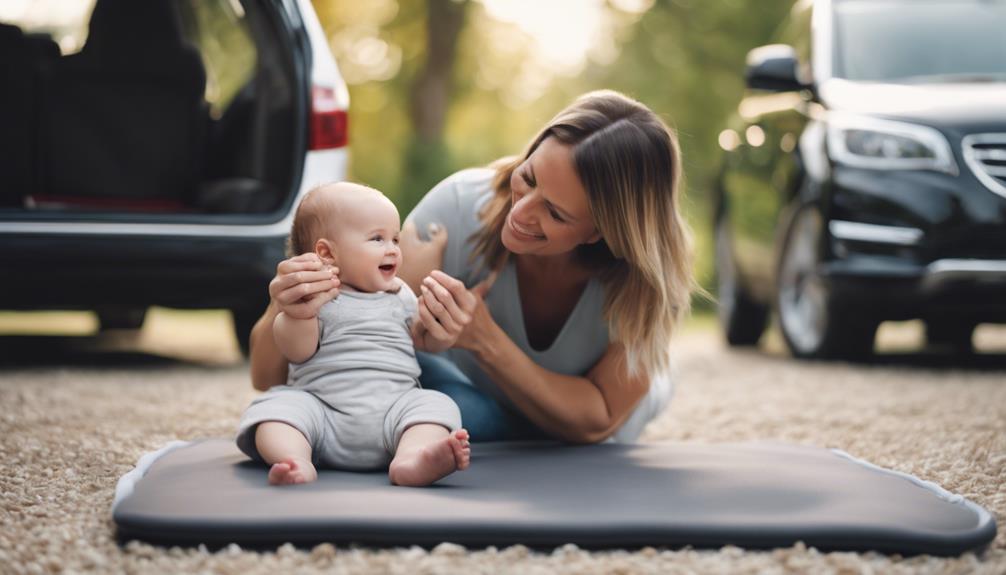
x=356, y=396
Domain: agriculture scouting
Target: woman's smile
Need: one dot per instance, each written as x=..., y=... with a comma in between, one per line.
x=522, y=232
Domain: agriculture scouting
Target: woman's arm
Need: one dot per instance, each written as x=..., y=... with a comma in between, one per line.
x=268, y=366
x=302, y=285
x=585, y=409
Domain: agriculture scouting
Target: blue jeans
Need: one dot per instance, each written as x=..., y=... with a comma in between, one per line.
x=483, y=416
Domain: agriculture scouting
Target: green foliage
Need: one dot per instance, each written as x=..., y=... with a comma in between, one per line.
x=686, y=61
x=228, y=51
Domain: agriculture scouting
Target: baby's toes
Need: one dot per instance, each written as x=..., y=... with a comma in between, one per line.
x=278, y=473
x=462, y=452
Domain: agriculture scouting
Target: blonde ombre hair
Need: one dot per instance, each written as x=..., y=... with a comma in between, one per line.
x=628, y=161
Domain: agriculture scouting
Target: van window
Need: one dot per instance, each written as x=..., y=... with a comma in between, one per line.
x=220, y=31
x=63, y=22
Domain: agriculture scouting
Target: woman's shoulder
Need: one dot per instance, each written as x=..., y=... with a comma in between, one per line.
x=478, y=176
x=455, y=201
x=455, y=204
x=466, y=185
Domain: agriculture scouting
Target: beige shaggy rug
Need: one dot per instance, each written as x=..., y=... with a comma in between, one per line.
x=76, y=416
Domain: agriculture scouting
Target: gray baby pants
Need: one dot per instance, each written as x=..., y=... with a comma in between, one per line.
x=357, y=441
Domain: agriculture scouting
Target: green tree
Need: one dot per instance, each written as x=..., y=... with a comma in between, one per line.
x=433, y=84
x=427, y=156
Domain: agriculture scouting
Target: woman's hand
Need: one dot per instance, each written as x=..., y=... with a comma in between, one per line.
x=303, y=284
x=445, y=307
x=457, y=312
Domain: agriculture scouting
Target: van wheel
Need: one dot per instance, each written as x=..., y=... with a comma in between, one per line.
x=121, y=317
x=244, y=321
x=955, y=335
x=813, y=323
x=742, y=319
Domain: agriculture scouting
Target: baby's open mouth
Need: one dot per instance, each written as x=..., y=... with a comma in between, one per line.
x=387, y=267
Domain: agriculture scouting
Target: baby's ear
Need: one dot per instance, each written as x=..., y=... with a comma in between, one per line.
x=326, y=251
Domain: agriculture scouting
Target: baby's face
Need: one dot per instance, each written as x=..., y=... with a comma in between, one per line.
x=366, y=240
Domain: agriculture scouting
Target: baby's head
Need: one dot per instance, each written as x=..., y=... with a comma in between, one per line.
x=354, y=228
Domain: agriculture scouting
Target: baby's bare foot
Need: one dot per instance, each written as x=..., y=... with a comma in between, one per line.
x=292, y=471
x=434, y=461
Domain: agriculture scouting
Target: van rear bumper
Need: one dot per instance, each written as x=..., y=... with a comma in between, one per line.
x=84, y=272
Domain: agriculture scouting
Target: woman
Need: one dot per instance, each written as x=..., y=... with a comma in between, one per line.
x=565, y=271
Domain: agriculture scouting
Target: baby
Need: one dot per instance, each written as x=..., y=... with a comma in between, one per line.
x=353, y=399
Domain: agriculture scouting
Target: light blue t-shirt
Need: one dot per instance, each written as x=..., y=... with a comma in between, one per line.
x=455, y=204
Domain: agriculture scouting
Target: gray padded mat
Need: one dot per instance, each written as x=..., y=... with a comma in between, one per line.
x=755, y=495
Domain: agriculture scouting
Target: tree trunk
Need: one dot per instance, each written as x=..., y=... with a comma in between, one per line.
x=431, y=92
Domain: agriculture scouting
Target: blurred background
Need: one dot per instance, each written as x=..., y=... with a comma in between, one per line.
x=148, y=147
x=440, y=85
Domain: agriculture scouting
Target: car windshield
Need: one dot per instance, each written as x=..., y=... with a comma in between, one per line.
x=921, y=41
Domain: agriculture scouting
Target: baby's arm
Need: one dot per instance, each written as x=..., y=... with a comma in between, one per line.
x=297, y=339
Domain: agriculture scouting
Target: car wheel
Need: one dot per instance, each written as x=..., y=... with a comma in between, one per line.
x=742, y=319
x=955, y=335
x=244, y=321
x=121, y=317
x=814, y=324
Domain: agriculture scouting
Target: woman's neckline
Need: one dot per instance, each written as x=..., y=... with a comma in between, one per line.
x=511, y=272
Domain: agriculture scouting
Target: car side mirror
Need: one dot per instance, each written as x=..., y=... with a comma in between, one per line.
x=775, y=68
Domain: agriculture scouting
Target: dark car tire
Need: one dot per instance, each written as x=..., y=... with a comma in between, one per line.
x=121, y=317
x=955, y=335
x=814, y=323
x=742, y=319
x=244, y=321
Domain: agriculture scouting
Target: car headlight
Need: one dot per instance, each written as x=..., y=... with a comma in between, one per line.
x=866, y=142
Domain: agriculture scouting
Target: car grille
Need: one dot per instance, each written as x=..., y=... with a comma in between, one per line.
x=985, y=154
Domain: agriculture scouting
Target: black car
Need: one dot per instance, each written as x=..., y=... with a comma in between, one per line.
x=152, y=151
x=864, y=177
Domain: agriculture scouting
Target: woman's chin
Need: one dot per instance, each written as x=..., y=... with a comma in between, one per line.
x=512, y=244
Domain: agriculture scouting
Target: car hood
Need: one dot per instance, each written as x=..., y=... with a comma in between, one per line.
x=977, y=107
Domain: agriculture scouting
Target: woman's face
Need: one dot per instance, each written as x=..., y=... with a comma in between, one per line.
x=549, y=213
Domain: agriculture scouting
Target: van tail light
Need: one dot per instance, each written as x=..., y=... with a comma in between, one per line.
x=329, y=124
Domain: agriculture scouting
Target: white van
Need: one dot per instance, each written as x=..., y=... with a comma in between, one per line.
x=152, y=153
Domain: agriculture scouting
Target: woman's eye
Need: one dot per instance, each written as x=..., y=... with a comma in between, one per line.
x=527, y=179
x=555, y=216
